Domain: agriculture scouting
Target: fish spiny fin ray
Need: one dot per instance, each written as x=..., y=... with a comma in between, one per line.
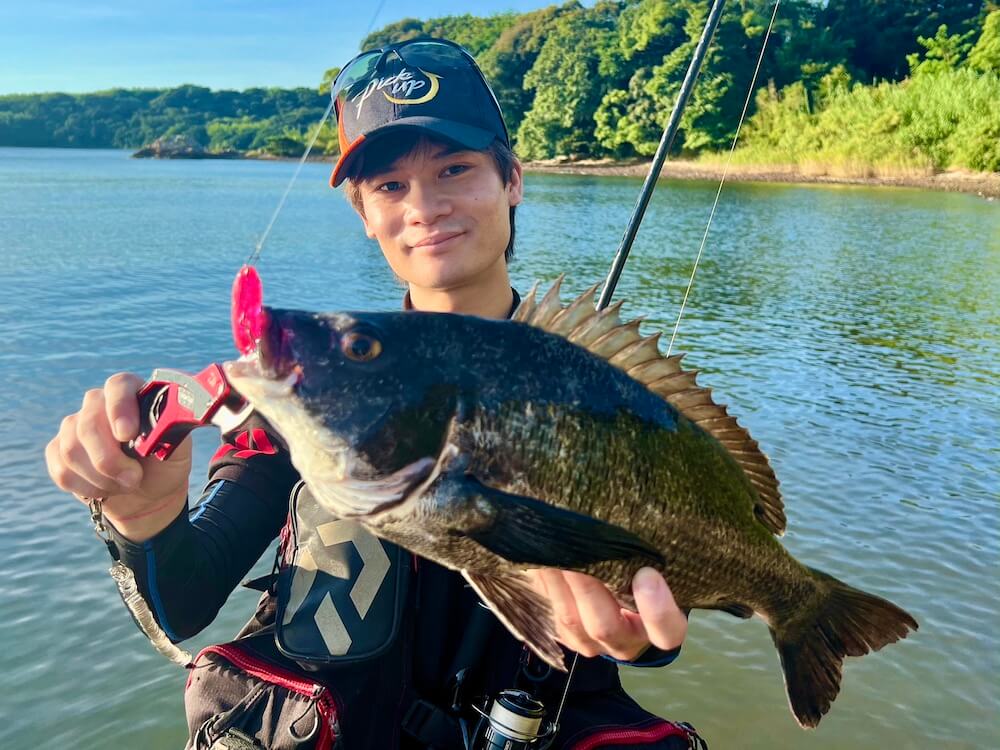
x=619, y=342
x=569, y=318
x=600, y=324
x=527, y=306
x=549, y=307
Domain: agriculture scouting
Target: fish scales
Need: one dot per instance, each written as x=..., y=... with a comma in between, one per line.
x=604, y=464
x=494, y=447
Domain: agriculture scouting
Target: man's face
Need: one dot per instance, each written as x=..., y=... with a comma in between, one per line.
x=441, y=218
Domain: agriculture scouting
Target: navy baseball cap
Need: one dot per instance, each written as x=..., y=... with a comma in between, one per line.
x=432, y=85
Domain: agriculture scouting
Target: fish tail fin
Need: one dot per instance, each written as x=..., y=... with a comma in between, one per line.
x=846, y=622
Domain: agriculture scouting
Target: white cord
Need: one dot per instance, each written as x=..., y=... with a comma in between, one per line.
x=725, y=172
x=255, y=255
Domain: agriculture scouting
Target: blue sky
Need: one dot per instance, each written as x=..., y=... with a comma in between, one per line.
x=89, y=45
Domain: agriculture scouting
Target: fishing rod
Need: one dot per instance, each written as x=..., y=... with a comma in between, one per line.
x=666, y=142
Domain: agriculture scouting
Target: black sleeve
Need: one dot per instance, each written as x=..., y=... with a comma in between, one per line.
x=187, y=571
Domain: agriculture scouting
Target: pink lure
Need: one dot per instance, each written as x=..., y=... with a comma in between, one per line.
x=248, y=315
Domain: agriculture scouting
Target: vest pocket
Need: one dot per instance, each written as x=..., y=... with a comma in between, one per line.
x=237, y=700
x=341, y=590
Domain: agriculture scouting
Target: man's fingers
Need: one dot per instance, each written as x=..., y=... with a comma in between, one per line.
x=665, y=623
x=569, y=625
x=75, y=458
x=64, y=477
x=107, y=462
x=590, y=620
x=122, y=407
x=602, y=619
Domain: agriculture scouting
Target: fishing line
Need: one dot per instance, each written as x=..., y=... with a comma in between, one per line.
x=569, y=677
x=666, y=142
x=725, y=172
x=281, y=203
x=371, y=23
x=255, y=255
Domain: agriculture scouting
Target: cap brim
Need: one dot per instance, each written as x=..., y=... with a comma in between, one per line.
x=466, y=136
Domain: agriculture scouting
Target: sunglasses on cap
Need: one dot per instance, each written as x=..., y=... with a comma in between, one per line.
x=433, y=54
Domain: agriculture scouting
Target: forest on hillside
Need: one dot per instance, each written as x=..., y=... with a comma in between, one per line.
x=891, y=83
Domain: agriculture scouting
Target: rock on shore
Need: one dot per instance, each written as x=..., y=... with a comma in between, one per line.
x=181, y=147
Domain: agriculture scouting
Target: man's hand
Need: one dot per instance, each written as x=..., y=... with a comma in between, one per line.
x=86, y=459
x=589, y=619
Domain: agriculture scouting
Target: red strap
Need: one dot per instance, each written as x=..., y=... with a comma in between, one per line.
x=612, y=736
x=247, y=444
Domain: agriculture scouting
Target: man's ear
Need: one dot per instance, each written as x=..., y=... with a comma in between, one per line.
x=515, y=188
x=368, y=229
x=364, y=220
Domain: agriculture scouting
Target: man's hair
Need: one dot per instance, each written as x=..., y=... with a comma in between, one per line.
x=392, y=147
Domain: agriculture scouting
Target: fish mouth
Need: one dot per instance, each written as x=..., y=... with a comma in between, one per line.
x=271, y=369
x=275, y=352
x=256, y=384
x=380, y=495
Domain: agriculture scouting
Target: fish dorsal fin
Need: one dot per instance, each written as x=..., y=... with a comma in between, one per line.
x=620, y=343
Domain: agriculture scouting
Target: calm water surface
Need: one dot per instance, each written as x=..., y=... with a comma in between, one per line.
x=854, y=331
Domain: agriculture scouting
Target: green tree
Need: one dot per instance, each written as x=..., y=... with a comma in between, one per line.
x=630, y=117
x=942, y=52
x=881, y=33
x=582, y=81
x=476, y=34
x=802, y=48
x=985, y=55
x=326, y=83
x=124, y=118
x=289, y=143
x=397, y=31
x=630, y=120
x=566, y=84
x=506, y=63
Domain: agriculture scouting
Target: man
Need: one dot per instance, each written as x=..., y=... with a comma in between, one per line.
x=426, y=157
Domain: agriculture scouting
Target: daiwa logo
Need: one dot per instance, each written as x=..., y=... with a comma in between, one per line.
x=405, y=87
x=247, y=444
x=319, y=553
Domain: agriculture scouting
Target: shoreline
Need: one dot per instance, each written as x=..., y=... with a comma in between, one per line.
x=984, y=184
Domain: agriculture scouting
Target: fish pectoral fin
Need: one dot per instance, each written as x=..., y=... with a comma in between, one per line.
x=529, y=532
x=525, y=613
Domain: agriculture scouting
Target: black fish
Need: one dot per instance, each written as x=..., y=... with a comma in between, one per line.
x=560, y=439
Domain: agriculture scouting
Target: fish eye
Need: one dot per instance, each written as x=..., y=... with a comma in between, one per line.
x=360, y=346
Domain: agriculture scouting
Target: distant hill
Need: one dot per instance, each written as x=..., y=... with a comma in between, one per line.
x=865, y=84
x=272, y=120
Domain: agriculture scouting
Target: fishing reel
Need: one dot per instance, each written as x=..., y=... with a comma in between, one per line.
x=516, y=721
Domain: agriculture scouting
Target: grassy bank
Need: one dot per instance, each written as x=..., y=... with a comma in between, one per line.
x=914, y=128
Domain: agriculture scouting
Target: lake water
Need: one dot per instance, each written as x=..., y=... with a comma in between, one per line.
x=854, y=331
